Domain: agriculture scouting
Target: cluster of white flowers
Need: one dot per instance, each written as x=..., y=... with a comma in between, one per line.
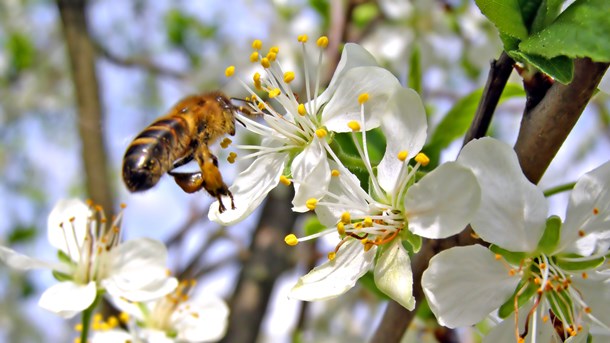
x=548, y=276
x=93, y=262
x=375, y=225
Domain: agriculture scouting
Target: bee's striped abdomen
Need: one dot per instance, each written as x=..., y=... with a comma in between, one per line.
x=153, y=152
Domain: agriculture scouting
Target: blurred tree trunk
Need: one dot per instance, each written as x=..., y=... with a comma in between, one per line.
x=90, y=120
x=269, y=258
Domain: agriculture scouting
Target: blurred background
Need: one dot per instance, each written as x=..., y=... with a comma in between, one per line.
x=77, y=85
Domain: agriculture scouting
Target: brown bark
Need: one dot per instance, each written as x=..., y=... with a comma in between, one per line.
x=268, y=259
x=81, y=53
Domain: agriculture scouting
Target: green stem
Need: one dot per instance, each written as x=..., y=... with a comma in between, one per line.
x=86, y=319
x=559, y=189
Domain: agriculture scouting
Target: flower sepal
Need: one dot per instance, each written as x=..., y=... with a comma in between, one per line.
x=59, y=276
x=510, y=256
x=65, y=258
x=411, y=241
x=508, y=307
x=578, y=264
x=551, y=236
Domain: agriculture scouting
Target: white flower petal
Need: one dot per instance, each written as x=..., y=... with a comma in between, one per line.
x=595, y=292
x=504, y=332
x=204, y=320
x=343, y=107
x=73, y=215
x=311, y=173
x=139, y=271
x=250, y=188
x=513, y=211
x=155, y=336
x=464, y=284
x=112, y=336
x=443, y=202
x=393, y=275
x=349, y=197
x=68, y=298
x=19, y=261
x=353, y=55
x=404, y=127
x=589, y=213
x=335, y=277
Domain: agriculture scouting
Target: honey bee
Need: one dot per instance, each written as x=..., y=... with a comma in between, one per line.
x=183, y=135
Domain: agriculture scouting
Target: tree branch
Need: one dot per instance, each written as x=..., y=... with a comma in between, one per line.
x=496, y=81
x=90, y=118
x=545, y=127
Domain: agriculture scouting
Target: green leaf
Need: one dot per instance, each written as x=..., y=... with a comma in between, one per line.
x=21, y=51
x=509, y=306
x=21, y=234
x=577, y=264
x=550, y=238
x=457, y=121
x=177, y=24
x=411, y=242
x=415, y=72
x=312, y=226
x=561, y=68
x=582, y=30
x=63, y=257
x=365, y=13
x=506, y=16
x=547, y=12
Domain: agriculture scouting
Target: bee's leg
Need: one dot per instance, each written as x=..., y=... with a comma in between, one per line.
x=212, y=179
x=188, y=158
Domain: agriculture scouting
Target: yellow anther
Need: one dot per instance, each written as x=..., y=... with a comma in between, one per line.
x=271, y=56
x=231, y=158
x=225, y=143
x=332, y=255
x=230, y=71
x=402, y=156
x=587, y=309
x=97, y=318
x=584, y=275
x=123, y=205
x=113, y=322
x=123, y=317
x=291, y=240
x=311, y=203
x=76, y=340
x=422, y=159
x=265, y=62
x=288, y=76
x=78, y=327
x=581, y=233
x=274, y=92
x=545, y=319
x=362, y=98
x=346, y=218
x=512, y=272
x=368, y=245
x=368, y=222
x=595, y=211
x=335, y=173
x=542, y=265
x=302, y=38
x=321, y=133
x=254, y=56
x=322, y=42
x=256, y=77
x=301, y=109
x=261, y=106
x=274, y=49
x=341, y=228
x=257, y=44
x=354, y=125
x=285, y=181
